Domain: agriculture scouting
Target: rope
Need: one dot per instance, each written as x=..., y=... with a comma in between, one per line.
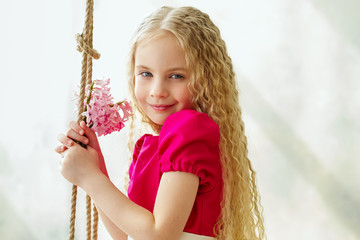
x=95, y=223
x=88, y=217
x=85, y=46
x=73, y=212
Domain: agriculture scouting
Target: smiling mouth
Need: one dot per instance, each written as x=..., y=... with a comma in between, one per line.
x=161, y=107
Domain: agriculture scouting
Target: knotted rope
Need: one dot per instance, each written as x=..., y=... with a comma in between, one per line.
x=85, y=46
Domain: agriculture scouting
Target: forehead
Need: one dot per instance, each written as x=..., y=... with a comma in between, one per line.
x=160, y=49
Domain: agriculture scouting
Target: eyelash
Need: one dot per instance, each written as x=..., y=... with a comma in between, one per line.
x=173, y=76
x=142, y=74
x=179, y=76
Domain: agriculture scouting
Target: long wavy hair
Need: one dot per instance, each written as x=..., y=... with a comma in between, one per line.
x=214, y=91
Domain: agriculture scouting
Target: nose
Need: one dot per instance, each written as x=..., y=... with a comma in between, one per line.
x=159, y=89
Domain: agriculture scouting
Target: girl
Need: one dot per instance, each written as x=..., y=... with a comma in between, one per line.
x=191, y=178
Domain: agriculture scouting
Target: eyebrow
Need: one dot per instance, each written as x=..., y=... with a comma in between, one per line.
x=170, y=69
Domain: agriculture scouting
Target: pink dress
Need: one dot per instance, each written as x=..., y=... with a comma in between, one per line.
x=188, y=142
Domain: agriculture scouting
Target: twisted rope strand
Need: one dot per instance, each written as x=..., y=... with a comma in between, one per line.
x=85, y=46
x=90, y=42
x=88, y=71
x=95, y=223
x=88, y=217
x=73, y=212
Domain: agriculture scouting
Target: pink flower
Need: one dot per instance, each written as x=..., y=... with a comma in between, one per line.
x=100, y=112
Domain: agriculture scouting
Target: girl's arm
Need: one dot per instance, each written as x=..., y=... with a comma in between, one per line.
x=112, y=229
x=174, y=201
x=85, y=135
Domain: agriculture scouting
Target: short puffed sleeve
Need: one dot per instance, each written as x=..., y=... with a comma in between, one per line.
x=137, y=150
x=189, y=142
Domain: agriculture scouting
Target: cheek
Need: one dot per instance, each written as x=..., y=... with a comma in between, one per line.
x=138, y=91
x=190, y=104
x=139, y=97
x=186, y=98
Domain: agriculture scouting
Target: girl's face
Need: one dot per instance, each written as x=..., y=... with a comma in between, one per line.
x=161, y=77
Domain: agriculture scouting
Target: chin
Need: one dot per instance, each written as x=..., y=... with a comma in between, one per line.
x=160, y=119
x=159, y=122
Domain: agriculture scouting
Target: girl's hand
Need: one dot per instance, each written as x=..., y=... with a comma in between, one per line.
x=80, y=132
x=80, y=164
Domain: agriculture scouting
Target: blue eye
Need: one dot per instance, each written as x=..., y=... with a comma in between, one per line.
x=146, y=74
x=176, y=76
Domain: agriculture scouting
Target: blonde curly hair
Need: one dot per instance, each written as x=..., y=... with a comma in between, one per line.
x=214, y=92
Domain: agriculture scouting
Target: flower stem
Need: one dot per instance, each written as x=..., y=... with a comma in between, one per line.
x=118, y=103
x=89, y=96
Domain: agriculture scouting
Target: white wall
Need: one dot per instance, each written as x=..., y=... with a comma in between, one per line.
x=298, y=65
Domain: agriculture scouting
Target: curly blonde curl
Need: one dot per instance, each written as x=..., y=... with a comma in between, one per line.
x=213, y=86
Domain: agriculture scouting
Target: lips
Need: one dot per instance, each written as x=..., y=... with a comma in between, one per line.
x=161, y=107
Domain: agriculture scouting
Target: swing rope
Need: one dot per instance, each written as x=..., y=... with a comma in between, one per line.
x=85, y=45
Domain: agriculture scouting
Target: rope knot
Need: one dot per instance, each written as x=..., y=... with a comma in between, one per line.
x=84, y=47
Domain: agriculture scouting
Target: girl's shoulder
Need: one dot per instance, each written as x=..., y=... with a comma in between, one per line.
x=189, y=122
x=189, y=142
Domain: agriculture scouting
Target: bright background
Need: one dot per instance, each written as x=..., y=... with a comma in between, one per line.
x=298, y=66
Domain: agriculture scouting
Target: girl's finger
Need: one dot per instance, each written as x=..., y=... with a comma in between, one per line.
x=76, y=136
x=88, y=132
x=60, y=149
x=65, y=140
x=83, y=125
x=76, y=127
